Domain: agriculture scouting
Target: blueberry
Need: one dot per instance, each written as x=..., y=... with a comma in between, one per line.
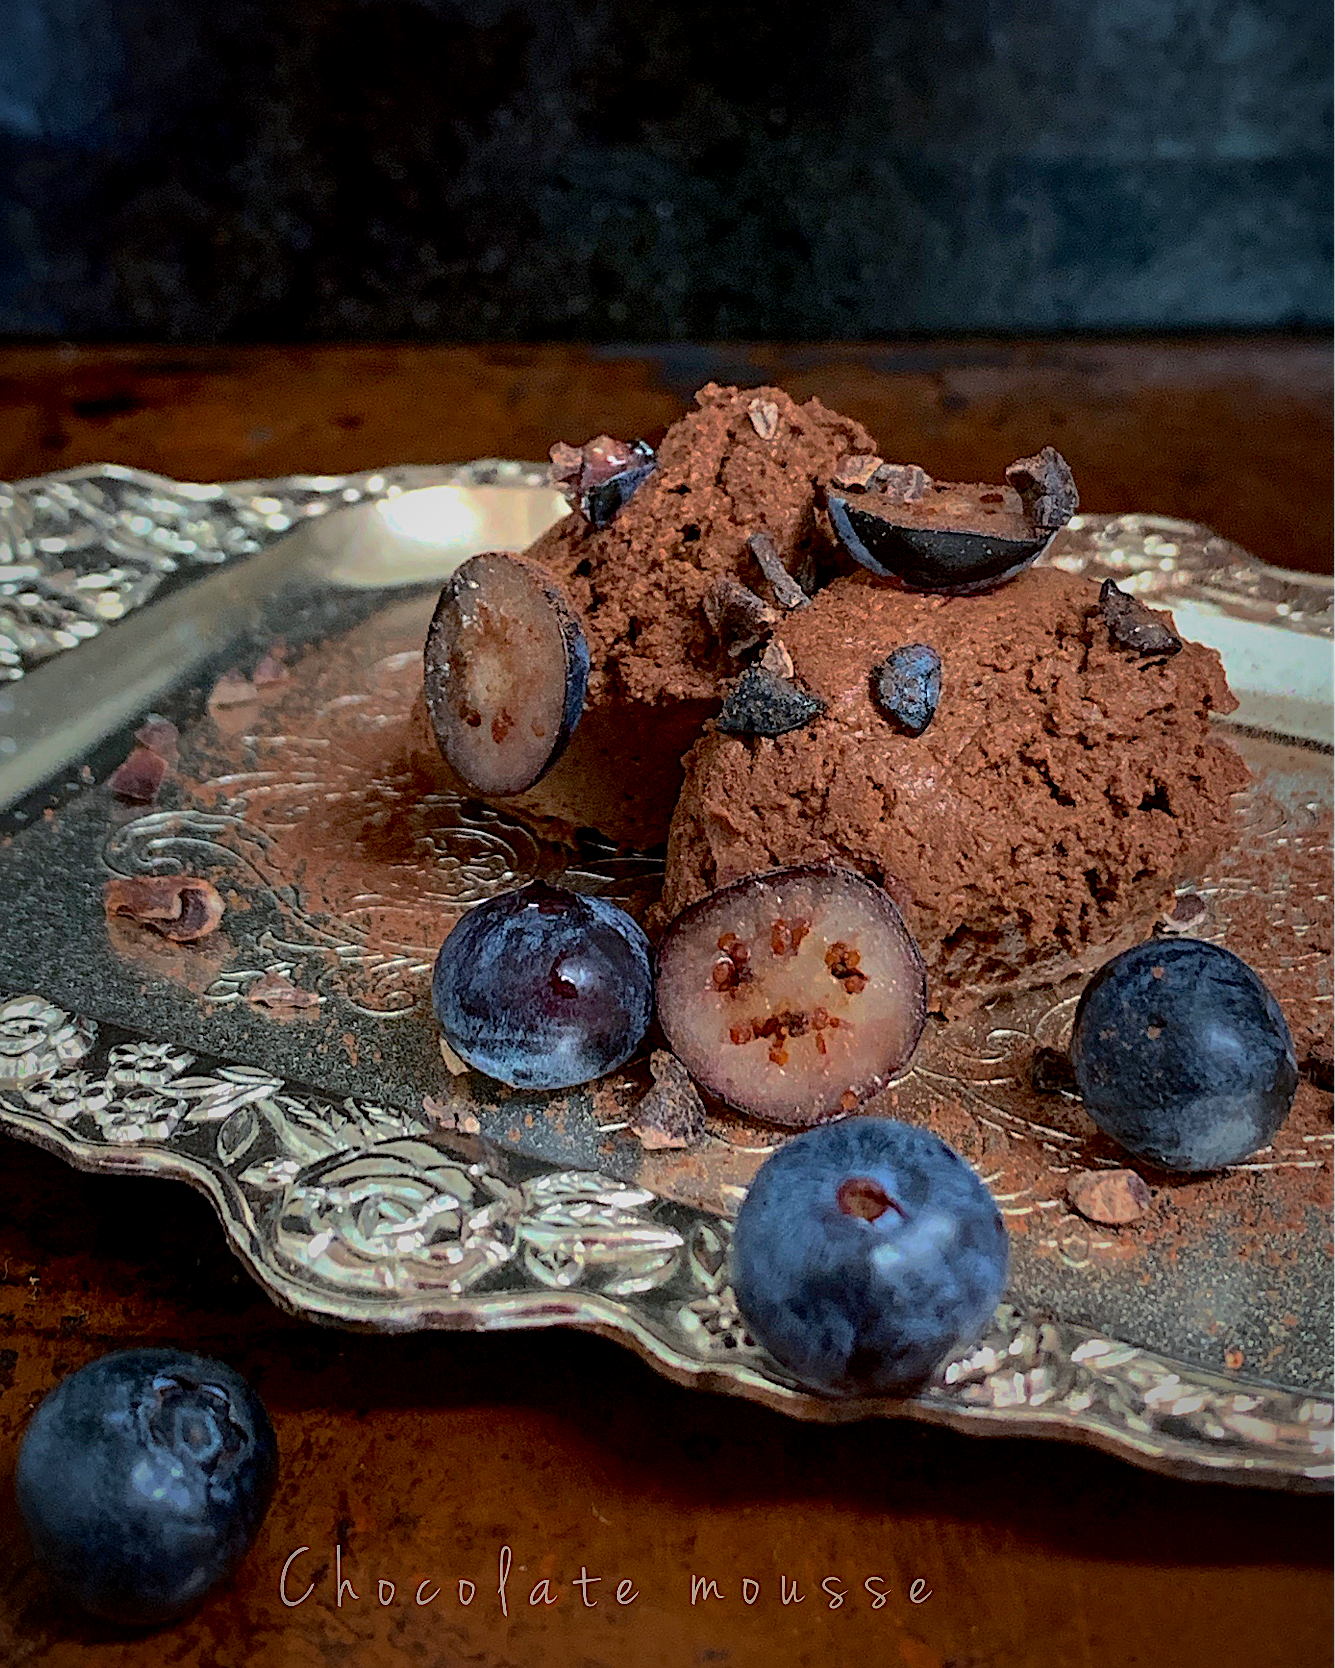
x=865, y=1253
x=544, y=988
x=794, y=993
x=1182, y=1055
x=505, y=670
x=906, y=686
x=143, y=1479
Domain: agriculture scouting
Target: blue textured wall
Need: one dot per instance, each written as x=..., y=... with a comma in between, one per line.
x=611, y=169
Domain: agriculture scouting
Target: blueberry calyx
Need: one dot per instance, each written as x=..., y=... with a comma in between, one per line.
x=864, y=1197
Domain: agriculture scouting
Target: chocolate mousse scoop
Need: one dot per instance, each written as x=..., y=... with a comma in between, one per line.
x=644, y=582
x=1035, y=825
x=947, y=536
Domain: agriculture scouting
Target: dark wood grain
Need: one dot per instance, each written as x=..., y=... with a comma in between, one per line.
x=1235, y=433
x=421, y=1457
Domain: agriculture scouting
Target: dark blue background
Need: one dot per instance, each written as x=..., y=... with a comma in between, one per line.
x=497, y=169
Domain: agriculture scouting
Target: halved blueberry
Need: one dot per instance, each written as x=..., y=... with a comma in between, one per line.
x=792, y=994
x=506, y=667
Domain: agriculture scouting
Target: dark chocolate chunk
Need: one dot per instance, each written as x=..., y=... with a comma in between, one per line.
x=602, y=476
x=671, y=1113
x=857, y=469
x=1047, y=488
x=763, y=704
x=906, y=686
x=788, y=593
x=1051, y=1072
x=139, y=778
x=905, y=481
x=1132, y=625
x=738, y=617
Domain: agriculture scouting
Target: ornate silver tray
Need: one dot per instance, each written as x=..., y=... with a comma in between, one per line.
x=364, y=1184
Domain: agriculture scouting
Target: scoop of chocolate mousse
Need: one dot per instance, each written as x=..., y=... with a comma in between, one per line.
x=1063, y=784
x=639, y=560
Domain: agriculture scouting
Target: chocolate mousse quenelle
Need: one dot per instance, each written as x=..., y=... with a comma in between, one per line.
x=863, y=667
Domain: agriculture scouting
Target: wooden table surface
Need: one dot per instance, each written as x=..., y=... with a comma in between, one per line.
x=422, y=1458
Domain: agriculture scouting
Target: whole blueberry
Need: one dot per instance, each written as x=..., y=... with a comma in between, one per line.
x=865, y=1253
x=143, y=1479
x=1182, y=1055
x=544, y=988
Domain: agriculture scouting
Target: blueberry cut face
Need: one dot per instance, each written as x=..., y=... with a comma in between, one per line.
x=505, y=670
x=544, y=988
x=142, y=1480
x=906, y=686
x=792, y=994
x=1183, y=1056
x=865, y=1254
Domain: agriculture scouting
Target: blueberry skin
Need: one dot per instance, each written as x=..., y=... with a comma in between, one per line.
x=1193, y=1067
x=544, y=988
x=906, y=686
x=143, y=1479
x=867, y=1307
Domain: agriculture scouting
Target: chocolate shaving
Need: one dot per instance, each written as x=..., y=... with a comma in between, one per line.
x=1132, y=625
x=905, y=481
x=763, y=704
x=1112, y=1197
x=276, y=990
x=1047, y=488
x=671, y=1113
x=776, y=659
x=737, y=616
x=183, y=908
x=160, y=736
x=764, y=415
x=787, y=592
x=1051, y=1073
x=139, y=777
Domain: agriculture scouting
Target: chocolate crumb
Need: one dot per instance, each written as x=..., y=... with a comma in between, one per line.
x=737, y=616
x=1132, y=625
x=1186, y=915
x=183, y=908
x=671, y=1113
x=857, y=469
x=1318, y=1067
x=139, y=777
x=1112, y=1197
x=788, y=593
x=232, y=690
x=764, y=415
x=762, y=703
x=450, y=1117
x=1047, y=488
x=905, y=481
x=1051, y=1072
x=276, y=990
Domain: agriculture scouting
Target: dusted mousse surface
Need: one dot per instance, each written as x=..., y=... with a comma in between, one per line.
x=744, y=462
x=1062, y=787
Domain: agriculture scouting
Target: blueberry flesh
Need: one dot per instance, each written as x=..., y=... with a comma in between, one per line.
x=865, y=1253
x=544, y=988
x=143, y=1479
x=906, y=686
x=928, y=558
x=792, y=994
x=505, y=670
x=1182, y=1055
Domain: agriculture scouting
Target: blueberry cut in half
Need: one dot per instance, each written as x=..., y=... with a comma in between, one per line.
x=143, y=1479
x=544, y=988
x=866, y=1253
x=506, y=667
x=925, y=558
x=1182, y=1055
x=792, y=994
